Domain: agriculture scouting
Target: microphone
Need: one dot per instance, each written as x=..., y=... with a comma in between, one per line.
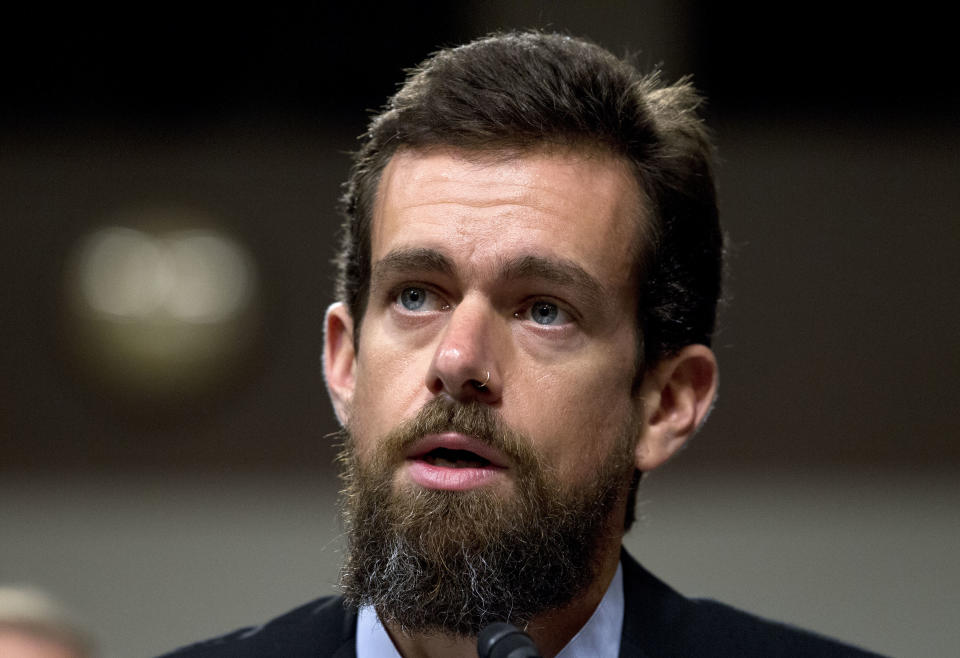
x=503, y=640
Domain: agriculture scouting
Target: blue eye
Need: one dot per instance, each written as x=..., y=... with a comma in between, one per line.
x=413, y=299
x=544, y=313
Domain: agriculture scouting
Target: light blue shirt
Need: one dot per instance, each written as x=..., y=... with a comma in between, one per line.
x=599, y=637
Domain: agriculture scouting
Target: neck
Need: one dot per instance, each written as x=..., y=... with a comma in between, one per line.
x=550, y=631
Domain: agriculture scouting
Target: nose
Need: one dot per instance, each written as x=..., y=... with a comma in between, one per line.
x=465, y=365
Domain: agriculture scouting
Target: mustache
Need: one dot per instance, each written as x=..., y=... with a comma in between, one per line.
x=474, y=419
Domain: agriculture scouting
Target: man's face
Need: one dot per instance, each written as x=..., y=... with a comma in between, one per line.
x=515, y=273
x=489, y=404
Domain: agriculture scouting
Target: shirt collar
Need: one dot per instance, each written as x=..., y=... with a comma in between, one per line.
x=373, y=641
x=599, y=637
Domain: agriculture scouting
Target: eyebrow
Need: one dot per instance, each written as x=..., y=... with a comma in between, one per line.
x=418, y=259
x=421, y=259
x=560, y=272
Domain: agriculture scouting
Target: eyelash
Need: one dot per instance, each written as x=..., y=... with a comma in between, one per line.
x=562, y=311
x=523, y=314
x=397, y=293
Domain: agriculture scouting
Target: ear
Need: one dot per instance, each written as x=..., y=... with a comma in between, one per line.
x=676, y=396
x=339, y=358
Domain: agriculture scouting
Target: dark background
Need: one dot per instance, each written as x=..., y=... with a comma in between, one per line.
x=839, y=142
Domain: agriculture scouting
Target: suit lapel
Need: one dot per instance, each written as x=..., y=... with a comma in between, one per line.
x=648, y=605
x=348, y=636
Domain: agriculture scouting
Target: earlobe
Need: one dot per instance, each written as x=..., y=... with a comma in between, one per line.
x=339, y=358
x=676, y=396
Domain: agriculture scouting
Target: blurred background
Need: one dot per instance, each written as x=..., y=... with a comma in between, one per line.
x=168, y=183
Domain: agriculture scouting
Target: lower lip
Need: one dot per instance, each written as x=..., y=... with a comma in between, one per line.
x=451, y=479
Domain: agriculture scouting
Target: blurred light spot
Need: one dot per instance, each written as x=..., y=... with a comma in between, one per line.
x=195, y=276
x=124, y=272
x=166, y=309
x=212, y=276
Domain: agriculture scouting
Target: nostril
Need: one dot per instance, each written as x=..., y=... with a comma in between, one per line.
x=481, y=386
x=435, y=385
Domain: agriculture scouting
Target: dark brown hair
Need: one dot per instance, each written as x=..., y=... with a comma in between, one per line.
x=524, y=90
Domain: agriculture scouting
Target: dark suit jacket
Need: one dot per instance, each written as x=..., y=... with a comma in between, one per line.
x=657, y=622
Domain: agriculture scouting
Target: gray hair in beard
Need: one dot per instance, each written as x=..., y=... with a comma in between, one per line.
x=450, y=562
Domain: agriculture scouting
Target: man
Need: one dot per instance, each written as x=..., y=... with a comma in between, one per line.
x=528, y=283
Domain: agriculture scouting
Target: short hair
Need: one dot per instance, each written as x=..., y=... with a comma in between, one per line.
x=524, y=90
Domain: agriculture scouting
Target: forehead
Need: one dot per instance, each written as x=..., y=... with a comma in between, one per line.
x=580, y=206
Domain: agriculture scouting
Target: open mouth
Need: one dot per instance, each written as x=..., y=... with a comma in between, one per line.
x=455, y=462
x=448, y=458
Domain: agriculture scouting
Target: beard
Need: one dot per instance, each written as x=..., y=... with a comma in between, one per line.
x=451, y=562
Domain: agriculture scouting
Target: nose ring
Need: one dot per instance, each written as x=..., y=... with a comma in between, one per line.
x=480, y=386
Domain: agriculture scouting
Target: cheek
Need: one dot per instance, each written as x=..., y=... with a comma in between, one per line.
x=389, y=385
x=578, y=413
